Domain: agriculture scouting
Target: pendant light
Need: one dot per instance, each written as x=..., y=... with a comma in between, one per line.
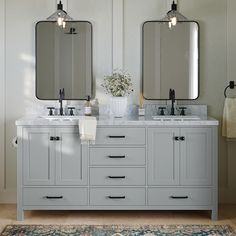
x=173, y=16
x=60, y=16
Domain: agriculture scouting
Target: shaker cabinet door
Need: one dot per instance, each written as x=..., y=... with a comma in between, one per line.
x=196, y=156
x=38, y=156
x=71, y=158
x=163, y=156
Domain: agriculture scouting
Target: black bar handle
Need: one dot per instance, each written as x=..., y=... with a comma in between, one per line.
x=179, y=197
x=176, y=138
x=49, y=197
x=114, y=136
x=116, y=197
x=116, y=177
x=182, y=138
x=117, y=157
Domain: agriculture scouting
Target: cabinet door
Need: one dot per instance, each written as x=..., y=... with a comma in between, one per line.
x=163, y=156
x=38, y=156
x=71, y=158
x=196, y=156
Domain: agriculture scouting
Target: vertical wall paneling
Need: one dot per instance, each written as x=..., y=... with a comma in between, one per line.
x=2, y=94
x=118, y=33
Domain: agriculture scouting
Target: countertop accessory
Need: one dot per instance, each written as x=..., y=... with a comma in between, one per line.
x=141, y=110
x=119, y=86
x=231, y=86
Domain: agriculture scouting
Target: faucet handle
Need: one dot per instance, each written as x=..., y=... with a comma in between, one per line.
x=182, y=112
x=162, y=113
x=50, y=110
x=71, y=110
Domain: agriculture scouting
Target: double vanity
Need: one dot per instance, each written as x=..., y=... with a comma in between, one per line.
x=136, y=163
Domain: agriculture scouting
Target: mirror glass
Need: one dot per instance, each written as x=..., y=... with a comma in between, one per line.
x=170, y=60
x=64, y=60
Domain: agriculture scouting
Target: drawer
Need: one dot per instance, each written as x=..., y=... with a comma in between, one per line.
x=117, y=196
x=121, y=136
x=54, y=196
x=117, y=176
x=117, y=156
x=180, y=196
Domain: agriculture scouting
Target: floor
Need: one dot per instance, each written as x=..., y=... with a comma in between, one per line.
x=227, y=215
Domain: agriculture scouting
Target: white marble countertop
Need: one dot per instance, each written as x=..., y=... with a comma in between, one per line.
x=126, y=121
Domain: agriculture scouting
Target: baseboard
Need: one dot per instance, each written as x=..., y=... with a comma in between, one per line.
x=8, y=196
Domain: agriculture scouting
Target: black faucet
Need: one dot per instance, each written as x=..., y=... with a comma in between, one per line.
x=61, y=98
x=172, y=98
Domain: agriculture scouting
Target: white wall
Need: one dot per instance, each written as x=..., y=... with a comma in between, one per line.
x=117, y=44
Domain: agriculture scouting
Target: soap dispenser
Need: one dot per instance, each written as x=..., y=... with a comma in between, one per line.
x=87, y=107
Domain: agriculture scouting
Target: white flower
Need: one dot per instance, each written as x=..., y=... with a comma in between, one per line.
x=118, y=84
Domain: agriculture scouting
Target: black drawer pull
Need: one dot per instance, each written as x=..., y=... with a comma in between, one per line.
x=54, y=138
x=111, y=136
x=59, y=197
x=116, y=177
x=116, y=157
x=116, y=197
x=182, y=138
x=179, y=197
x=176, y=138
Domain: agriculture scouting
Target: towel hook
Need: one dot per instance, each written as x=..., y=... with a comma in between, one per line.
x=231, y=86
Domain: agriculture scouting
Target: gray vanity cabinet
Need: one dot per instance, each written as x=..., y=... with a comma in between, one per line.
x=163, y=156
x=71, y=164
x=53, y=157
x=38, y=156
x=130, y=167
x=196, y=157
x=180, y=156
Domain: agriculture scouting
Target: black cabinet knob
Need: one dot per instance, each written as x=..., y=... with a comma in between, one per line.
x=182, y=138
x=176, y=138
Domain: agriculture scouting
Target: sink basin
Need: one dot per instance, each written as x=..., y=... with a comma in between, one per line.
x=60, y=118
x=176, y=118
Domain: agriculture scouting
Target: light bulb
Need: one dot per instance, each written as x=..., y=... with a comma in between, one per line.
x=60, y=21
x=173, y=20
x=63, y=24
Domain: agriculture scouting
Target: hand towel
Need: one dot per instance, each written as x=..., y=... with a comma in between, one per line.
x=87, y=129
x=229, y=118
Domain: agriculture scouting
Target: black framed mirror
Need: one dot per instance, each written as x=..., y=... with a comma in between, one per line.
x=64, y=60
x=170, y=60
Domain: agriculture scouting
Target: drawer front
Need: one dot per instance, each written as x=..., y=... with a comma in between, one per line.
x=121, y=136
x=54, y=196
x=180, y=196
x=117, y=156
x=117, y=196
x=117, y=176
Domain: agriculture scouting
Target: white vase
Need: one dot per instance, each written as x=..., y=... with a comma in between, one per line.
x=118, y=106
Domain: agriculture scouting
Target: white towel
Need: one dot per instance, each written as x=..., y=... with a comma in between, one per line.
x=87, y=129
x=229, y=118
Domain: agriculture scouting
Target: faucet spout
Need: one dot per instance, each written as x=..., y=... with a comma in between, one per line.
x=61, y=98
x=172, y=98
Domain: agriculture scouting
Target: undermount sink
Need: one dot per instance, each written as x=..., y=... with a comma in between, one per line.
x=176, y=118
x=60, y=118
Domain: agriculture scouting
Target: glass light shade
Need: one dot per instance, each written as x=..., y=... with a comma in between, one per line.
x=173, y=16
x=60, y=16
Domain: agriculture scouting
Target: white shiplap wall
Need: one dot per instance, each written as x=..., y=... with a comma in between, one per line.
x=117, y=44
